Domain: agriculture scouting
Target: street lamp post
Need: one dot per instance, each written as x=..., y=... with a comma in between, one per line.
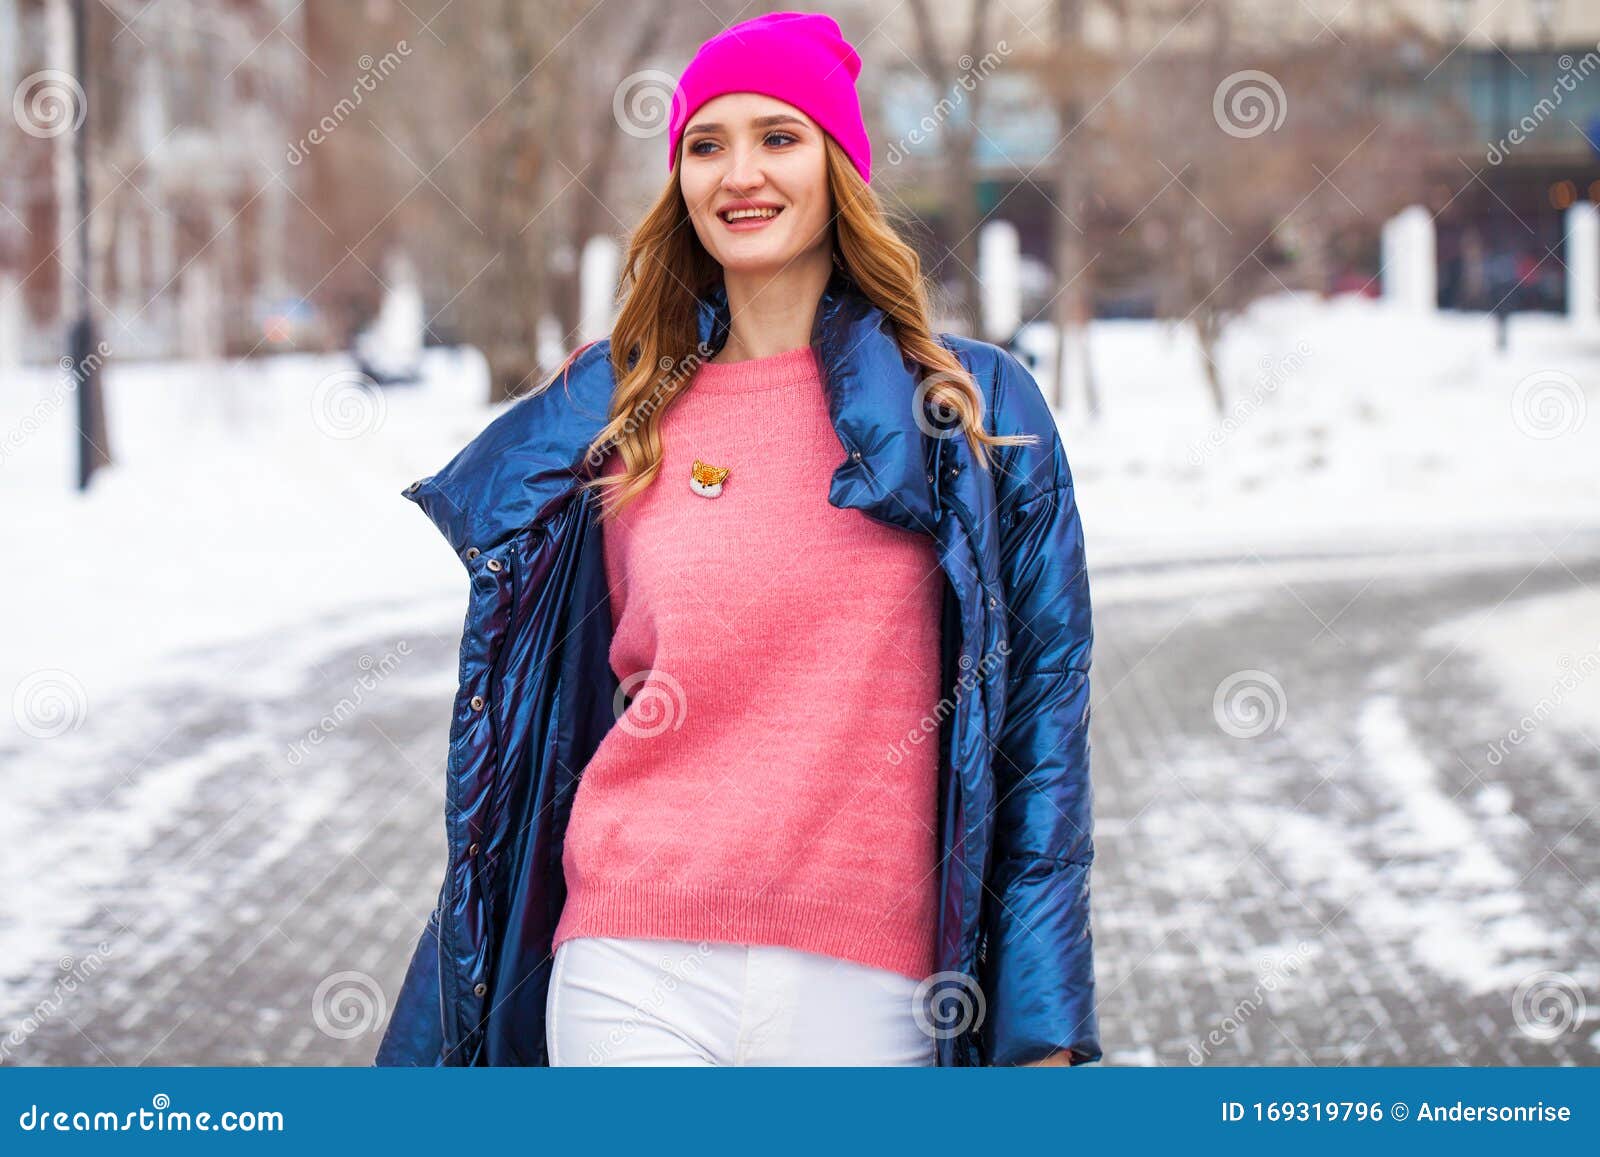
x=82, y=348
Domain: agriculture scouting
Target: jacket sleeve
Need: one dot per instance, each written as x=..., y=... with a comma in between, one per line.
x=1036, y=965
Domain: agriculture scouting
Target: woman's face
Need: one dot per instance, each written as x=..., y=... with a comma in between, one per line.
x=743, y=149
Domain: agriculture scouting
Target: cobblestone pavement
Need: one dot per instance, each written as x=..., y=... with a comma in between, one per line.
x=254, y=907
x=1355, y=884
x=1305, y=855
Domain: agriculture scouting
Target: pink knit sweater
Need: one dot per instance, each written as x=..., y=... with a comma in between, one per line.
x=773, y=780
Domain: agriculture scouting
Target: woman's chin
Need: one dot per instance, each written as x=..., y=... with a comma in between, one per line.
x=754, y=260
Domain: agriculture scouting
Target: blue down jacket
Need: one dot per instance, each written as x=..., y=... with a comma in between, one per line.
x=536, y=693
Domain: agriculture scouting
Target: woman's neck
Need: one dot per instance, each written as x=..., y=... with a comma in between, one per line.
x=772, y=313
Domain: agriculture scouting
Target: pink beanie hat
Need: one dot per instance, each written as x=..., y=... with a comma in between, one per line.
x=801, y=58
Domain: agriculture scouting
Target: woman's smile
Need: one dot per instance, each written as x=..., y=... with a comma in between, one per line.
x=748, y=219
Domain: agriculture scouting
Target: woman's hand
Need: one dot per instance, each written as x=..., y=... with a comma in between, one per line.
x=1060, y=1057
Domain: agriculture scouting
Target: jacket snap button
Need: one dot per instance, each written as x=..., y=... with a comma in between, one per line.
x=493, y=564
x=993, y=602
x=414, y=487
x=473, y=850
x=480, y=988
x=477, y=702
x=856, y=454
x=472, y=552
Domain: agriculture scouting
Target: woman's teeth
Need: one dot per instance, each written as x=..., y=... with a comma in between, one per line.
x=742, y=214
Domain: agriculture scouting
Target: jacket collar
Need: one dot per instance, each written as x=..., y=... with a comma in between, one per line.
x=520, y=470
x=872, y=399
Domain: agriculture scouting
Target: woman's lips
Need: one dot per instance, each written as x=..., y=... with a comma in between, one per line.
x=749, y=224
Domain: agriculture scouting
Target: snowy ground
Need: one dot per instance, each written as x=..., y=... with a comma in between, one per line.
x=1346, y=425
x=1318, y=841
x=246, y=497
x=1398, y=525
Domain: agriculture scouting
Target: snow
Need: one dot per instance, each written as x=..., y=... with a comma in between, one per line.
x=246, y=498
x=1466, y=914
x=1543, y=655
x=1347, y=423
x=250, y=502
x=251, y=497
x=262, y=500
x=1479, y=939
x=392, y=345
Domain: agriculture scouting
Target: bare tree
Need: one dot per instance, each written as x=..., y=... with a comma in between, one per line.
x=494, y=155
x=958, y=140
x=449, y=158
x=1242, y=152
x=594, y=142
x=1071, y=72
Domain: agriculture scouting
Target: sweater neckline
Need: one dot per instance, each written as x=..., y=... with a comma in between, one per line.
x=791, y=368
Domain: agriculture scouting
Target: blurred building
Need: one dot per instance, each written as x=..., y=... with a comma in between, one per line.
x=187, y=107
x=1531, y=91
x=1509, y=90
x=207, y=239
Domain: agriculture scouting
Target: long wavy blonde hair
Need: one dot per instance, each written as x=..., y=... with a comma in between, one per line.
x=655, y=343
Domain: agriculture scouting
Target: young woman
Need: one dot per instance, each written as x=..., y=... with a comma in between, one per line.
x=761, y=756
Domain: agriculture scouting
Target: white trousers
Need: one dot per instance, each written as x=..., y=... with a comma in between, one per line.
x=635, y=1001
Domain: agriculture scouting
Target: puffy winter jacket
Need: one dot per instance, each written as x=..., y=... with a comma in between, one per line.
x=1015, y=953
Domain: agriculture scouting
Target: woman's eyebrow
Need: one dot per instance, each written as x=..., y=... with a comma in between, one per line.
x=757, y=123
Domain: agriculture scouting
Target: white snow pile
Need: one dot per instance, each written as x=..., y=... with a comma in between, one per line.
x=246, y=498
x=1346, y=422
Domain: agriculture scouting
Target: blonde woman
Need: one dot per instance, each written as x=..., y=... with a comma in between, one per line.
x=771, y=745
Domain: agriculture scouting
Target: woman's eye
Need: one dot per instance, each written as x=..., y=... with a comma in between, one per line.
x=775, y=138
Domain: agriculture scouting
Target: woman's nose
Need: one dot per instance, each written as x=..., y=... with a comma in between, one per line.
x=745, y=173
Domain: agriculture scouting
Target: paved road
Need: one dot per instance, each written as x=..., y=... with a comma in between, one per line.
x=1344, y=879
x=1327, y=867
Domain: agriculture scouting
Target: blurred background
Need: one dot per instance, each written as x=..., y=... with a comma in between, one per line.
x=1314, y=288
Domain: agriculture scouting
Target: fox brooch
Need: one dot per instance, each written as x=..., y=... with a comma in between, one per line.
x=705, y=480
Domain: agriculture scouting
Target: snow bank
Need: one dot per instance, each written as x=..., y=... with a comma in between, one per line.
x=247, y=498
x=1346, y=423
